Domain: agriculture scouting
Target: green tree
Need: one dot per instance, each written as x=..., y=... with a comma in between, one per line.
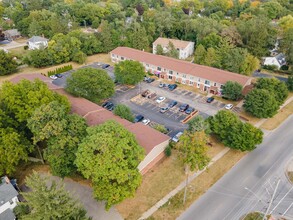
x=92, y=84
x=290, y=83
x=212, y=40
x=22, y=99
x=129, y=72
x=277, y=88
x=197, y=124
x=212, y=58
x=172, y=51
x=234, y=133
x=232, y=90
x=14, y=147
x=192, y=149
x=272, y=8
x=287, y=46
x=62, y=132
x=124, y=112
x=49, y=202
x=7, y=64
x=109, y=156
x=261, y=103
x=160, y=50
x=200, y=54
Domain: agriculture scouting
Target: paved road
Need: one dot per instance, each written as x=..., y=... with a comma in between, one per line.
x=265, y=75
x=258, y=172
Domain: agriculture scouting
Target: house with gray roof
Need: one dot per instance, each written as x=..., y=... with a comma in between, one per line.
x=277, y=61
x=37, y=42
x=8, y=199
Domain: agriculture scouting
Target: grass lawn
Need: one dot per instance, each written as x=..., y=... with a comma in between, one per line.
x=18, y=52
x=251, y=119
x=172, y=209
x=105, y=58
x=274, y=122
x=157, y=183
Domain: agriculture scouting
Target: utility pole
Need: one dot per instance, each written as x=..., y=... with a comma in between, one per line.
x=265, y=215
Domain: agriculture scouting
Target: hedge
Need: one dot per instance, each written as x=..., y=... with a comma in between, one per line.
x=60, y=70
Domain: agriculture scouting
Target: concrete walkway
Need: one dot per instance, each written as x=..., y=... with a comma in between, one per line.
x=84, y=194
x=153, y=209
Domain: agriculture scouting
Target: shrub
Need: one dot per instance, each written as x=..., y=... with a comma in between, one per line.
x=60, y=70
x=25, y=47
x=168, y=151
x=270, y=67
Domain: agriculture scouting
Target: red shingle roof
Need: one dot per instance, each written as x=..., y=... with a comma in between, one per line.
x=180, y=66
x=177, y=43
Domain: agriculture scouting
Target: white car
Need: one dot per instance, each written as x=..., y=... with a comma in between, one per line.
x=146, y=121
x=229, y=106
x=177, y=136
x=53, y=77
x=160, y=99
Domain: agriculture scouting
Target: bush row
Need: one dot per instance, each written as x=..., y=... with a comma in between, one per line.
x=60, y=70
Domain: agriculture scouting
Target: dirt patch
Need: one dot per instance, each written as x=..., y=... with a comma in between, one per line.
x=281, y=116
x=158, y=182
x=199, y=186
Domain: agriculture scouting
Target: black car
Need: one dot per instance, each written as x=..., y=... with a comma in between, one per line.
x=138, y=118
x=189, y=110
x=172, y=104
x=150, y=80
x=59, y=75
x=105, y=104
x=172, y=87
x=210, y=99
x=110, y=106
x=183, y=107
x=105, y=66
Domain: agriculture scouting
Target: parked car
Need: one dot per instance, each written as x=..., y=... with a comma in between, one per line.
x=164, y=109
x=146, y=121
x=150, y=80
x=210, y=99
x=110, y=106
x=145, y=93
x=161, y=85
x=183, y=107
x=172, y=104
x=152, y=95
x=172, y=87
x=160, y=99
x=189, y=110
x=138, y=118
x=177, y=136
x=59, y=75
x=105, y=104
x=105, y=66
x=53, y=77
x=229, y=106
x=166, y=85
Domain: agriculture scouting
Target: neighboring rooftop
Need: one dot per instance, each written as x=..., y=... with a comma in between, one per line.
x=180, y=66
x=7, y=191
x=7, y=215
x=281, y=59
x=36, y=39
x=12, y=32
x=177, y=43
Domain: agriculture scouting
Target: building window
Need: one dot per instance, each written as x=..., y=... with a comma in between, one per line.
x=159, y=68
x=191, y=77
x=147, y=65
x=207, y=82
x=197, y=85
x=113, y=55
x=184, y=76
x=183, y=82
x=170, y=77
x=222, y=86
x=191, y=82
x=177, y=74
x=11, y=202
x=215, y=84
x=170, y=72
x=122, y=58
x=198, y=80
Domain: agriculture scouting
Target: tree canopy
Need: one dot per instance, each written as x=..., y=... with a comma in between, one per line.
x=109, y=156
x=7, y=64
x=232, y=90
x=124, y=112
x=92, y=84
x=129, y=72
x=49, y=202
x=234, y=133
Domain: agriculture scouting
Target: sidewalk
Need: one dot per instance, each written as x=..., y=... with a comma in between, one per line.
x=164, y=200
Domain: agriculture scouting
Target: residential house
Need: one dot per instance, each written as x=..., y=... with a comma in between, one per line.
x=153, y=141
x=207, y=79
x=185, y=48
x=37, y=42
x=278, y=60
x=8, y=199
x=12, y=34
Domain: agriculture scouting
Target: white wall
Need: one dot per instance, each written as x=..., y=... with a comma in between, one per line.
x=37, y=45
x=7, y=205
